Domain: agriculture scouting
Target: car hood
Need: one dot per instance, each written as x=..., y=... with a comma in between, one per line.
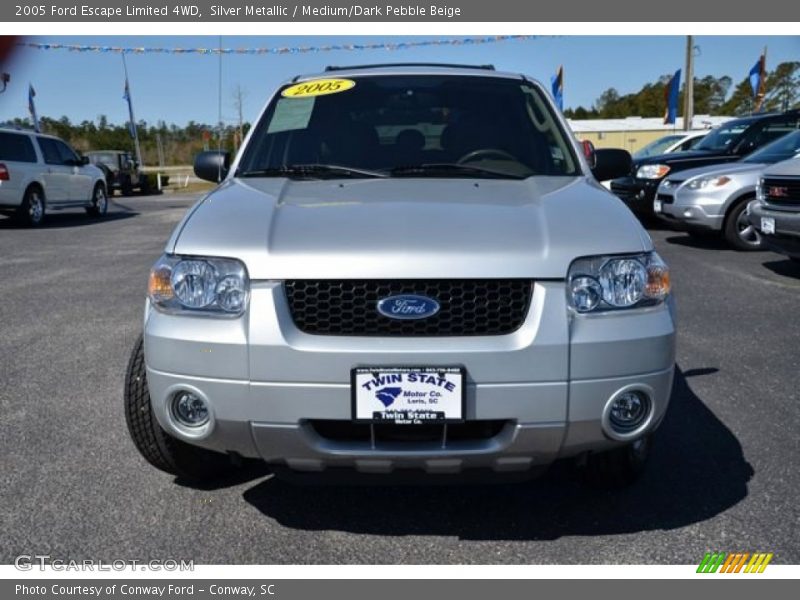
x=719, y=170
x=790, y=168
x=408, y=228
x=678, y=157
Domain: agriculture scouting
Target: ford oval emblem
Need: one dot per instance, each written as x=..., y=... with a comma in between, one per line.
x=408, y=306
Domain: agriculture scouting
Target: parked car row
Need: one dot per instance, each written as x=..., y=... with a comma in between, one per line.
x=708, y=190
x=39, y=173
x=715, y=198
x=727, y=143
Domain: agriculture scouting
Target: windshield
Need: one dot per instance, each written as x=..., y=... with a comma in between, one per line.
x=782, y=149
x=409, y=126
x=106, y=158
x=658, y=146
x=723, y=137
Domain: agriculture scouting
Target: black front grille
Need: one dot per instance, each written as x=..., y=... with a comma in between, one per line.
x=468, y=306
x=782, y=191
x=348, y=431
x=665, y=198
x=623, y=192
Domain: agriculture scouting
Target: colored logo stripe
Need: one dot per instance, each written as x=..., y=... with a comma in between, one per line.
x=758, y=563
x=734, y=562
x=711, y=562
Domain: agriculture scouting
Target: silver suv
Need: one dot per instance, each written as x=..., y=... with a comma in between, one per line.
x=41, y=172
x=406, y=269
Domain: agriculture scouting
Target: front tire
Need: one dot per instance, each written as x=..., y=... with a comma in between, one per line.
x=144, y=185
x=160, y=449
x=619, y=467
x=125, y=185
x=99, y=206
x=32, y=210
x=738, y=231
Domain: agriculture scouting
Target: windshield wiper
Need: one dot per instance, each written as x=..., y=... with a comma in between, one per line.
x=311, y=171
x=450, y=170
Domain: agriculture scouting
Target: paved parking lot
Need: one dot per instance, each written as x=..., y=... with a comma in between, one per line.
x=724, y=475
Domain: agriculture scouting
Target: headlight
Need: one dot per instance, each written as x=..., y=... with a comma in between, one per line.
x=603, y=283
x=760, y=189
x=700, y=183
x=652, y=171
x=199, y=285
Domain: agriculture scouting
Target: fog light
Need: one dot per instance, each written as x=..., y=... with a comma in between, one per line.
x=189, y=409
x=628, y=411
x=688, y=213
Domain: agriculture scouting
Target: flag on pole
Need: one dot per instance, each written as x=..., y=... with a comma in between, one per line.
x=32, y=107
x=131, y=121
x=557, y=83
x=671, y=92
x=758, y=81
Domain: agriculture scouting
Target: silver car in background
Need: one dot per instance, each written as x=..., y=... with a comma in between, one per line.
x=715, y=198
x=674, y=142
x=407, y=269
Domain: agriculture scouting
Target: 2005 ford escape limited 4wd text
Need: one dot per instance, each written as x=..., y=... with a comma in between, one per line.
x=407, y=269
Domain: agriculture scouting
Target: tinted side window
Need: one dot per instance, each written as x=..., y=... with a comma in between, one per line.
x=765, y=132
x=16, y=147
x=690, y=143
x=50, y=151
x=68, y=156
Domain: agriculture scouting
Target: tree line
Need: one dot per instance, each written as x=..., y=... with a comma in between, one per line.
x=712, y=96
x=178, y=144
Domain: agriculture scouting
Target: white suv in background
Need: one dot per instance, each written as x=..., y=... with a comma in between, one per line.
x=41, y=172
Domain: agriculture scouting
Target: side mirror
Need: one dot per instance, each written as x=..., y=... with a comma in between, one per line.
x=611, y=163
x=84, y=160
x=212, y=165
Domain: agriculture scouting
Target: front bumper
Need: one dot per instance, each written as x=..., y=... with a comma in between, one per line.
x=786, y=239
x=697, y=209
x=547, y=383
x=637, y=194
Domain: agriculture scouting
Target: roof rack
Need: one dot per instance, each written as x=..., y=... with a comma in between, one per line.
x=409, y=64
x=17, y=127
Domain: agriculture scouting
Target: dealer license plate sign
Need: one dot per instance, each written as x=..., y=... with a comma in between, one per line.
x=408, y=396
x=657, y=206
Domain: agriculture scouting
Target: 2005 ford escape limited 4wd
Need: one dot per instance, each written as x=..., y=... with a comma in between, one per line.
x=407, y=269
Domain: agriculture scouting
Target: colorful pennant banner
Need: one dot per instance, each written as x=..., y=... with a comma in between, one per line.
x=391, y=46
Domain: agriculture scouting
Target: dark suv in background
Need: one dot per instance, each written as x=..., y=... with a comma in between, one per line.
x=727, y=143
x=121, y=170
